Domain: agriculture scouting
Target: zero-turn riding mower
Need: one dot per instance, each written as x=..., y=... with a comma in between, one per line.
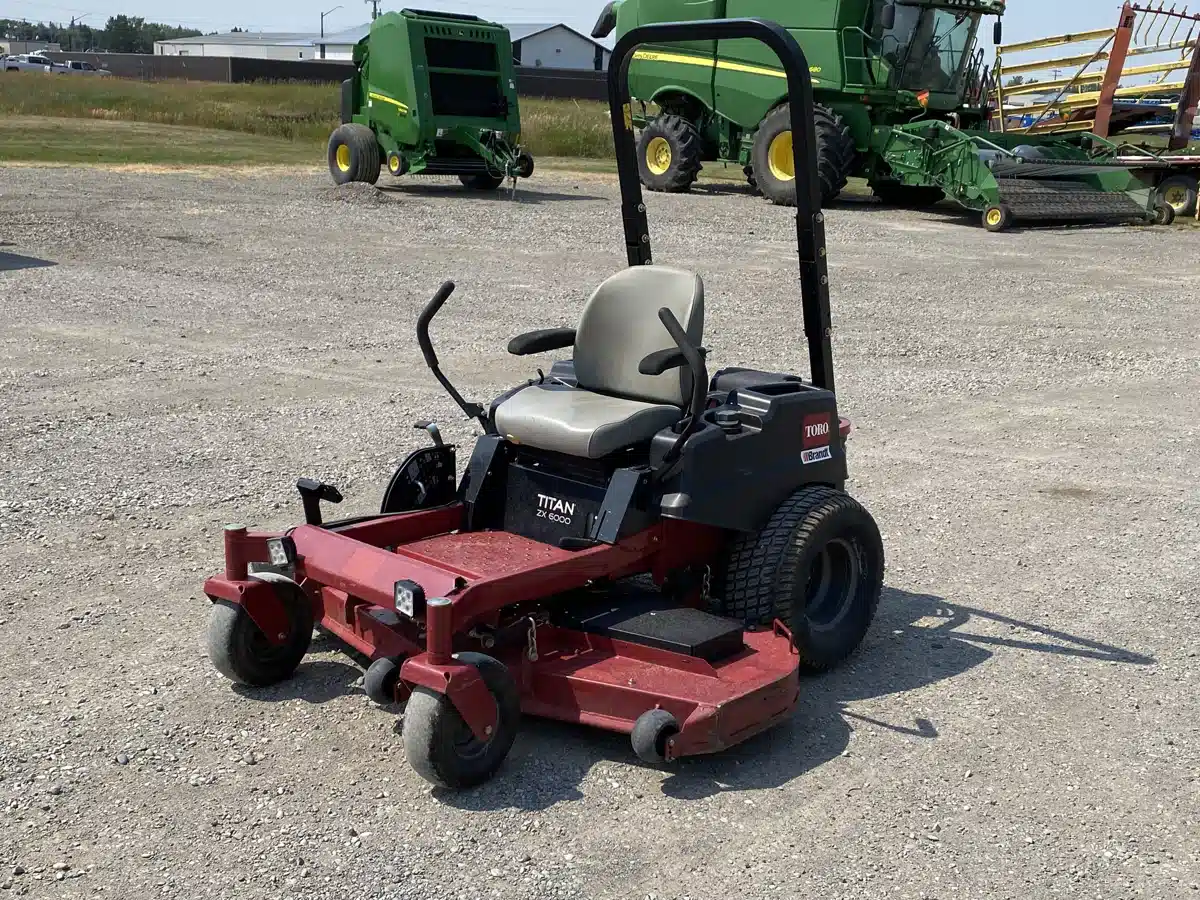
x=634, y=545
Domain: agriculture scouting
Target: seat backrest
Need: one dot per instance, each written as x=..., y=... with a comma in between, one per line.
x=620, y=327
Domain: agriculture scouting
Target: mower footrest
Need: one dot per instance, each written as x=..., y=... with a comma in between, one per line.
x=654, y=621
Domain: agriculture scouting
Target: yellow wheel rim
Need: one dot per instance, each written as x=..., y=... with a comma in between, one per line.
x=779, y=157
x=343, y=158
x=994, y=217
x=394, y=164
x=1176, y=198
x=658, y=155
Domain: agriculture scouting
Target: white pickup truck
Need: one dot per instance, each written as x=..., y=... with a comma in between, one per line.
x=32, y=62
x=78, y=67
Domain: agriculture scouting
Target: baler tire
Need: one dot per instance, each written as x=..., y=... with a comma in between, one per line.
x=242, y=653
x=437, y=741
x=482, y=181
x=1186, y=186
x=676, y=170
x=362, y=160
x=836, y=156
x=818, y=532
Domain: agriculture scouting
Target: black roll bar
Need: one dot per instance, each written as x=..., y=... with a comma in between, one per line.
x=810, y=221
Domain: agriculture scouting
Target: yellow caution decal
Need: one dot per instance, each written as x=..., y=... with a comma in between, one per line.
x=688, y=60
x=383, y=98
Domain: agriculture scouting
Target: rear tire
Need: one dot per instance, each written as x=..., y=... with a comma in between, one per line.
x=817, y=566
x=773, y=166
x=353, y=154
x=440, y=745
x=669, y=150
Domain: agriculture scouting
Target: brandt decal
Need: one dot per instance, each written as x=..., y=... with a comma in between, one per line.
x=818, y=454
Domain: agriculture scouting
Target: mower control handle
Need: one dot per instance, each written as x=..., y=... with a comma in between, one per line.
x=436, y=302
x=695, y=360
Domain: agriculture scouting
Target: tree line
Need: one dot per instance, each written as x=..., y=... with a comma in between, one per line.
x=121, y=34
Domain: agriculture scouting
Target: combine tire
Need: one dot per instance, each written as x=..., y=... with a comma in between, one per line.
x=817, y=566
x=771, y=157
x=1179, y=192
x=669, y=150
x=997, y=217
x=907, y=196
x=353, y=154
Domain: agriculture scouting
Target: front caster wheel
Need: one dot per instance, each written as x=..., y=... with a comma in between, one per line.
x=440, y=745
x=650, y=734
x=380, y=680
x=243, y=654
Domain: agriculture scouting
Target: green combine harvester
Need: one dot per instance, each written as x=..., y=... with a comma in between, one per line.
x=433, y=93
x=901, y=91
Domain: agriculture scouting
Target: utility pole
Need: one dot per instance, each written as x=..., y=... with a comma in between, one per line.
x=323, y=15
x=374, y=8
x=71, y=31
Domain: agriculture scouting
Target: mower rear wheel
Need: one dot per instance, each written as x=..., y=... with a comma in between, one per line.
x=669, y=150
x=482, y=181
x=817, y=566
x=353, y=154
x=243, y=654
x=997, y=217
x=379, y=681
x=440, y=745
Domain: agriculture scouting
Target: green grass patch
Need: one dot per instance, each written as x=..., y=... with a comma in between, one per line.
x=304, y=114
x=81, y=141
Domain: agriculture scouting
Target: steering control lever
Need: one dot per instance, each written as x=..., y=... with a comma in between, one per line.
x=436, y=302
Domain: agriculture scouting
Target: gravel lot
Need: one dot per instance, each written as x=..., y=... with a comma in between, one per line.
x=177, y=349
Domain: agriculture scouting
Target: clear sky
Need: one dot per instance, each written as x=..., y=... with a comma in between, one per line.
x=1025, y=18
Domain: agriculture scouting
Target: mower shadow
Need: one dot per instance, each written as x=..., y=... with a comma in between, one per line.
x=315, y=681
x=524, y=194
x=11, y=262
x=915, y=642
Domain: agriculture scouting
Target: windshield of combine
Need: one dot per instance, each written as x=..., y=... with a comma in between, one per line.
x=926, y=47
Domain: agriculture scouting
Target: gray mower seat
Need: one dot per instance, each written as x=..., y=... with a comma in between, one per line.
x=613, y=405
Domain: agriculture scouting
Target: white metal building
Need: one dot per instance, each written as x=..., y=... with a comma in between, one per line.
x=552, y=46
x=556, y=46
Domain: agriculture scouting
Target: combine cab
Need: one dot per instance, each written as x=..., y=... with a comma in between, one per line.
x=434, y=94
